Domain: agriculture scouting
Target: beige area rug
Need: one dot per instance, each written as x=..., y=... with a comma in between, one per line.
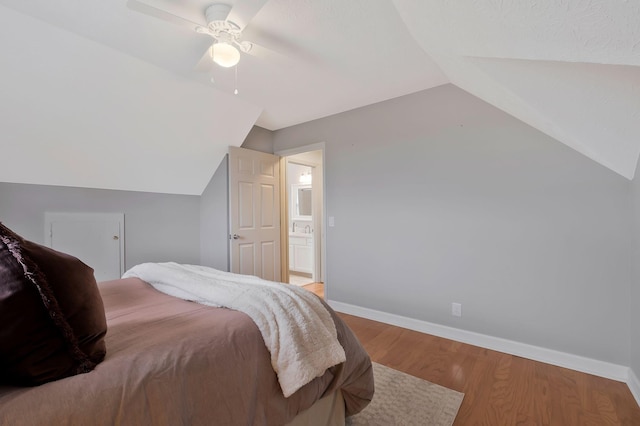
x=401, y=399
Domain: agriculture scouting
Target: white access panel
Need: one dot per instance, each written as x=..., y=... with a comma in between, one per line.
x=97, y=239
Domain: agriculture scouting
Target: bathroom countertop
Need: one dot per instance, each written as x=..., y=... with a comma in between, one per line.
x=301, y=234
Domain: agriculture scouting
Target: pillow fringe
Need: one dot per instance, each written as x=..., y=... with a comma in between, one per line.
x=33, y=273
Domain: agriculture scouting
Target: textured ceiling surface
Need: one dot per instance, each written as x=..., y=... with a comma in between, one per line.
x=570, y=68
x=603, y=31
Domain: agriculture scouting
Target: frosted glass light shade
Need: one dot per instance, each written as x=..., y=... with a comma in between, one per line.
x=225, y=54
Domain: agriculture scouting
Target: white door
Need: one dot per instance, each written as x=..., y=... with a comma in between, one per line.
x=254, y=213
x=94, y=238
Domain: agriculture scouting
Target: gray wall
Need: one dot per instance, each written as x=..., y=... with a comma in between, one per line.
x=259, y=139
x=452, y=201
x=158, y=227
x=439, y=197
x=635, y=285
x=214, y=217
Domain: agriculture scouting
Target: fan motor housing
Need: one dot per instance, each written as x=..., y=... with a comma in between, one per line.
x=216, y=16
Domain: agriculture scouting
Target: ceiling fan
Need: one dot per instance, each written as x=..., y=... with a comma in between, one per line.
x=220, y=21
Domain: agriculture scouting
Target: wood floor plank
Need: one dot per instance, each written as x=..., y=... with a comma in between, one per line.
x=500, y=389
x=317, y=288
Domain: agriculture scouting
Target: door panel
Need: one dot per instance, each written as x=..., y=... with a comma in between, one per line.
x=246, y=205
x=267, y=200
x=95, y=239
x=267, y=168
x=268, y=261
x=246, y=261
x=254, y=213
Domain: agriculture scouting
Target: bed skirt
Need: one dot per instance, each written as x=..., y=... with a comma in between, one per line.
x=328, y=411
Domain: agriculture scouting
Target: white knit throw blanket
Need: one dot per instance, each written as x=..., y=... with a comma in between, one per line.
x=296, y=327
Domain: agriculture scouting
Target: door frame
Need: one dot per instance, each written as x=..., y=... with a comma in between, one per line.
x=322, y=242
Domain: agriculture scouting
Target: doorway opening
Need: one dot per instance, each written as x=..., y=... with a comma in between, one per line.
x=304, y=194
x=300, y=228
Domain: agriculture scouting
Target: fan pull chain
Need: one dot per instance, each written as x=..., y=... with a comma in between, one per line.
x=235, y=91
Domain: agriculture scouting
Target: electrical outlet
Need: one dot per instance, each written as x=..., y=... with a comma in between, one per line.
x=456, y=309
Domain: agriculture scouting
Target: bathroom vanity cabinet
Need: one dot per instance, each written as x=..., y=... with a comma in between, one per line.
x=301, y=253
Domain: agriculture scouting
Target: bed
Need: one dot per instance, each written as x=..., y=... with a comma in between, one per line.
x=174, y=362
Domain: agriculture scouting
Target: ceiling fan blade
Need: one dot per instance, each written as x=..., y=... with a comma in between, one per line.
x=277, y=47
x=205, y=64
x=243, y=11
x=147, y=9
x=260, y=51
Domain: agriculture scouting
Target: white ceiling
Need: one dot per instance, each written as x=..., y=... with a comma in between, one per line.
x=117, y=88
x=570, y=68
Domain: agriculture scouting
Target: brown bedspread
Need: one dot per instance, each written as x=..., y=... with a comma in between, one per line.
x=172, y=362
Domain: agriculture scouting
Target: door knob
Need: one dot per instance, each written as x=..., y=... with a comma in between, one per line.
x=115, y=237
x=235, y=236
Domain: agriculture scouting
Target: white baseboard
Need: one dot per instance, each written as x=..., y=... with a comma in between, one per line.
x=634, y=385
x=574, y=362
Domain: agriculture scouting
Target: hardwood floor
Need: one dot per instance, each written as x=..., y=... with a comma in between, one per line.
x=317, y=288
x=499, y=389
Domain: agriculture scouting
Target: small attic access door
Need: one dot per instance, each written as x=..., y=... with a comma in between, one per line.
x=95, y=238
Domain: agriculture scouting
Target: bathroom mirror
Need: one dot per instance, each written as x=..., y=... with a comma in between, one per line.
x=301, y=196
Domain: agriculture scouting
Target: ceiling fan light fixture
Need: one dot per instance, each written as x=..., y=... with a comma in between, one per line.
x=225, y=54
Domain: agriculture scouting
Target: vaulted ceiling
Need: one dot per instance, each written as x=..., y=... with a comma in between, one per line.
x=570, y=68
x=97, y=94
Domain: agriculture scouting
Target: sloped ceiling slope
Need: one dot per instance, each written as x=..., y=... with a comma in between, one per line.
x=322, y=57
x=96, y=94
x=77, y=113
x=117, y=88
x=570, y=68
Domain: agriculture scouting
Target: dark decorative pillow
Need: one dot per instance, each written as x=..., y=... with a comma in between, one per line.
x=52, y=320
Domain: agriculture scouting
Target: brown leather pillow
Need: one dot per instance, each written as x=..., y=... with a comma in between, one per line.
x=52, y=320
